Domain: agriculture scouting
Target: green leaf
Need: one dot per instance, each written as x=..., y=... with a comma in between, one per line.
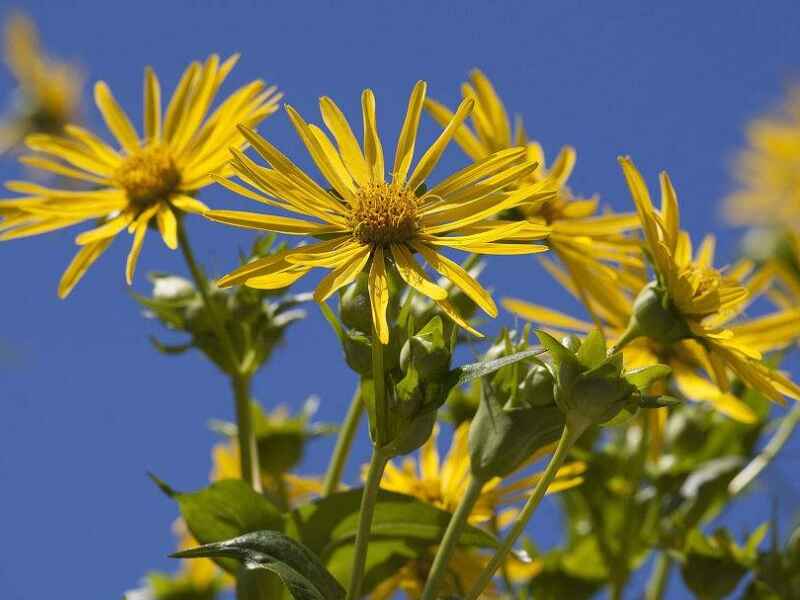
x=299, y=568
x=473, y=371
x=593, y=350
x=224, y=510
x=328, y=522
x=644, y=377
x=659, y=401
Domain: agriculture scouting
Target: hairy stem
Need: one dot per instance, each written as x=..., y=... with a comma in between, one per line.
x=450, y=539
x=344, y=442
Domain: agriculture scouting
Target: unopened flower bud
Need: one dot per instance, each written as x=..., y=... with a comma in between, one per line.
x=654, y=316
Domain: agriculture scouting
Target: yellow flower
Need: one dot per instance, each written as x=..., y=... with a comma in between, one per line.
x=709, y=303
x=49, y=91
x=769, y=171
x=443, y=485
x=150, y=178
x=580, y=237
x=363, y=217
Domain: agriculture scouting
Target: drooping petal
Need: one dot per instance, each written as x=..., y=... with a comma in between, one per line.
x=413, y=274
x=459, y=277
x=344, y=274
x=378, y=285
x=84, y=259
x=167, y=227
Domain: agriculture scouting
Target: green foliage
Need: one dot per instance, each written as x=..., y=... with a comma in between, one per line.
x=304, y=575
x=255, y=320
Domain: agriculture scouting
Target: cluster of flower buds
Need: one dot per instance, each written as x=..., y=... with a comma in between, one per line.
x=524, y=407
x=255, y=320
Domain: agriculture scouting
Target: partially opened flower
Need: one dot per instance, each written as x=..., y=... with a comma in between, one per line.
x=152, y=178
x=443, y=484
x=690, y=299
x=48, y=91
x=582, y=238
x=366, y=221
x=691, y=318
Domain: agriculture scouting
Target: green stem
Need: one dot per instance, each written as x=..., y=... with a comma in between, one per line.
x=375, y=473
x=379, y=391
x=451, y=537
x=248, y=453
x=376, y=467
x=754, y=468
x=657, y=586
x=344, y=442
x=240, y=378
x=569, y=436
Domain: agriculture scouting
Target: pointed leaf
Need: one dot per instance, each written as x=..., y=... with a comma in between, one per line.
x=299, y=568
x=644, y=377
x=593, y=350
x=473, y=371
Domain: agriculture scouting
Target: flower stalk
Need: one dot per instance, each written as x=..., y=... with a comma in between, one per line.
x=240, y=378
x=344, y=443
x=450, y=538
x=570, y=435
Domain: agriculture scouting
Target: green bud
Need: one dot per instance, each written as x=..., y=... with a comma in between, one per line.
x=590, y=385
x=655, y=317
x=354, y=305
x=427, y=352
x=537, y=389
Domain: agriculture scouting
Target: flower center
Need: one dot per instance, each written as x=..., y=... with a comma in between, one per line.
x=148, y=176
x=383, y=214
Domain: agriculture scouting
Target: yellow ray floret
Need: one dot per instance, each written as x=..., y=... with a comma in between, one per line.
x=368, y=221
x=140, y=180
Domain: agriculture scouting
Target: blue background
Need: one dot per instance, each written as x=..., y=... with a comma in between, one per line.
x=89, y=406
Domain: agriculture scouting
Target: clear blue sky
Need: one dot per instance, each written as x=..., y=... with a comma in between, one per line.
x=89, y=406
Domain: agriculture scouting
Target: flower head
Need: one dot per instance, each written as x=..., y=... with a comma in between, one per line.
x=149, y=178
x=369, y=222
x=582, y=238
x=49, y=90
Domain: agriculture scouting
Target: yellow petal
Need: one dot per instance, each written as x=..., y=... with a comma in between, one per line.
x=39, y=162
x=447, y=308
x=434, y=153
x=485, y=167
x=167, y=227
x=188, y=204
x=140, y=229
x=373, y=150
x=471, y=146
x=459, y=277
x=116, y=120
x=106, y=230
x=272, y=223
x=379, y=295
x=176, y=110
x=152, y=105
x=84, y=259
x=408, y=134
x=413, y=274
x=351, y=153
x=539, y=314
x=342, y=275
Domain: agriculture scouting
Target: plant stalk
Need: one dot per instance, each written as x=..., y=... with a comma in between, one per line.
x=240, y=378
x=657, y=586
x=376, y=467
x=344, y=442
x=754, y=468
x=568, y=438
x=451, y=537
